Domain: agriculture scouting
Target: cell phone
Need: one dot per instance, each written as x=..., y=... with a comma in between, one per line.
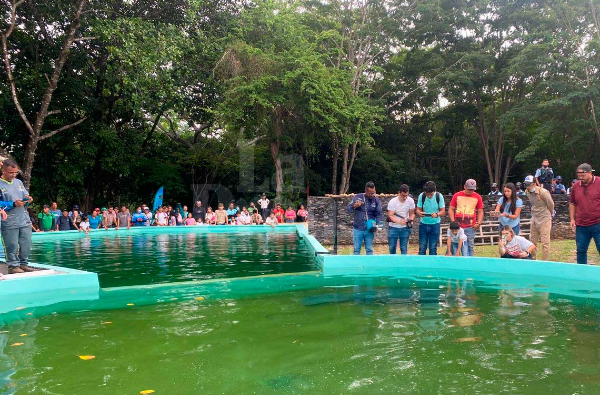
x=25, y=199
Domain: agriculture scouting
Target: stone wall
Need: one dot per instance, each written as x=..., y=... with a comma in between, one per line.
x=321, y=211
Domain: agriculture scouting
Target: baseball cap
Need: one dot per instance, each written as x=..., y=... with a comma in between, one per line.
x=494, y=185
x=528, y=180
x=518, y=184
x=75, y=207
x=559, y=178
x=103, y=209
x=471, y=184
x=96, y=209
x=586, y=167
x=46, y=206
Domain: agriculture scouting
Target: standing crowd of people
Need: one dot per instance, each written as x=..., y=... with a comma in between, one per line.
x=466, y=213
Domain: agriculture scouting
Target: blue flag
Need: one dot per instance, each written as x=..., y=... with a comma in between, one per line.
x=158, y=199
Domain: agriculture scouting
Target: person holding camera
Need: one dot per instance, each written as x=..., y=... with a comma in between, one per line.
x=16, y=228
x=512, y=246
x=368, y=217
x=401, y=214
x=430, y=206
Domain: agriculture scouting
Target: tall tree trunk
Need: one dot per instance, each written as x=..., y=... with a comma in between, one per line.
x=275, y=146
x=336, y=156
x=349, y=170
x=483, y=134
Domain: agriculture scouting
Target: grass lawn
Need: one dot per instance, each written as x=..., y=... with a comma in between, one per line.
x=560, y=251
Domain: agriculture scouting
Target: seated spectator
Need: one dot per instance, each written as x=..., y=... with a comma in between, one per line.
x=245, y=217
x=190, y=220
x=558, y=187
x=161, y=217
x=272, y=220
x=76, y=217
x=84, y=226
x=279, y=213
x=520, y=191
x=513, y=246
x=148, y=215
x=221, y=215
x=256, y=218
x=495, y=191
x=109, y=219
x=46, y=220
x=252, y=209
x=32, y=220
x=198, y=212
x=457, y=240
x=138, y=218
x=173, y=218
x=124, y=218
x=95, y=221
x=302, y=214
x=210, y=217
x=290, y=215
x=231, y=213
x=571, y=187
x=64, y=222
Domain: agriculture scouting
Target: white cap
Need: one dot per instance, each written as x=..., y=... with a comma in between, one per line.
x=529, y=180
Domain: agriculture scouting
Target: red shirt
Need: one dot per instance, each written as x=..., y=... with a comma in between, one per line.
x=278, y=215
x=466, y=208
x=587, y=201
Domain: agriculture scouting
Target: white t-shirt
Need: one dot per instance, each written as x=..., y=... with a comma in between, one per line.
x=271, y=221
x=459, y=236
x=84, y=226
x=517, y=245
x=161, y=218
x=401, y=209
x=264, y=203
x=245, y=219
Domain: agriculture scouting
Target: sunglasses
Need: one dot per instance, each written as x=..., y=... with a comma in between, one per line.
x=582, y=172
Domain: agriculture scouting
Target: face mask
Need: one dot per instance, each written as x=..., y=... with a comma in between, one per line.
x=139, y=211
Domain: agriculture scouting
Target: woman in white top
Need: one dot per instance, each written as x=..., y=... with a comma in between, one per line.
x=513, y=246
x=401, y=213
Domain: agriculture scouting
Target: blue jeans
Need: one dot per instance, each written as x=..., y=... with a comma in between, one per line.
x=398, y=233
x=454, y=247
x=359, y=236
x=583, y=236
x=428, y=236
x=470, y=233
x=515, y=229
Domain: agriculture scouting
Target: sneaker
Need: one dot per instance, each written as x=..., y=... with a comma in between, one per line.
x=26, y=268
x=15, y=270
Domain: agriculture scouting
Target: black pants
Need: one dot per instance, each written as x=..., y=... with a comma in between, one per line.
x=515, y=257
x=264, y=212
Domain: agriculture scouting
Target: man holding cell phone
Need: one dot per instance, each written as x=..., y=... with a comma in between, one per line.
x=16, y=229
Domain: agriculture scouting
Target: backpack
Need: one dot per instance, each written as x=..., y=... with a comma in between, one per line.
x=423, y=196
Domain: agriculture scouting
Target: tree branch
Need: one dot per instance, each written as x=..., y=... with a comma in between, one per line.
x=11, y=81
x=63, y=128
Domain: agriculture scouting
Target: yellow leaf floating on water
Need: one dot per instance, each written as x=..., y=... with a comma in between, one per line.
x=467, y=339
x=200, y=298
x=129, y=304
x=23, y=334
x=106, y=322
x=87, y=357
x=145, y=392
x=16, y=344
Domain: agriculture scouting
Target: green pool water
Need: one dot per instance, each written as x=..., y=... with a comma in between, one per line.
x=135, y=258
x=330, y=336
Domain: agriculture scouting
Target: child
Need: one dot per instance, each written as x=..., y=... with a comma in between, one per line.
x=84, y=225
x=161, y=217
x=256, y=218
x=210, y=217
x=221, y=215
x=272, y=220
x=457, y=240
x=290, y=215
x=190, y=220
x=238, y=219
x=173, y=219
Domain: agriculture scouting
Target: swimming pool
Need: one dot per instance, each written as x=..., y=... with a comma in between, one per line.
x=358, y=326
